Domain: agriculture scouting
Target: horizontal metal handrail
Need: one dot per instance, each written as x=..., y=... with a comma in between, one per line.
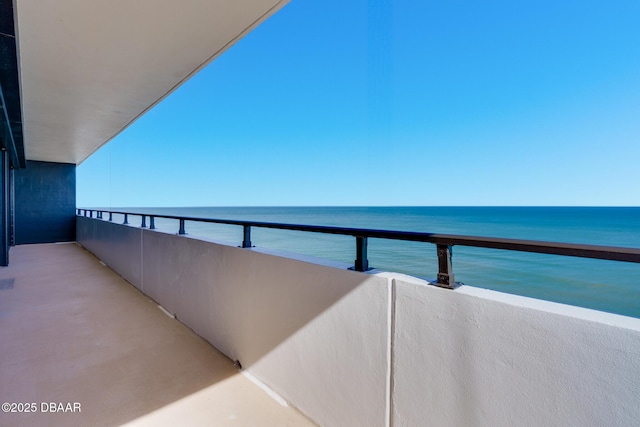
x=444, y=242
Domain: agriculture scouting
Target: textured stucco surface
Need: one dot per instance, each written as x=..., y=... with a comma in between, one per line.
x=117, y=245
x=358, y=349
x=316, y=335
x=479, y=357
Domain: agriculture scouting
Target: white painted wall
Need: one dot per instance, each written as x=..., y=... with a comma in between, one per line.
x=475, y=357
x=354, y=349
x=316, y=335
x=117, y=245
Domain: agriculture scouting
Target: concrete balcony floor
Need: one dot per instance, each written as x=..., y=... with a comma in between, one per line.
x=73, y=331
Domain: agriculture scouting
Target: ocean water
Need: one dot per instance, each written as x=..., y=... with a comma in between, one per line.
x=603, y=285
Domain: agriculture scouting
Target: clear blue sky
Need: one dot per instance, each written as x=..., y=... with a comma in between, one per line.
x=403, y=102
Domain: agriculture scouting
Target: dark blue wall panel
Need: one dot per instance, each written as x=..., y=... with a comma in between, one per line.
x=45, y=203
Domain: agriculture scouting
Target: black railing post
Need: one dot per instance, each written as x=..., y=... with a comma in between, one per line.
x=91, y=214
x=361, y=263
x=78, y=212
x=85, y=213
x=152, y=222
x=99, y=215
x=126, y=219
x=110, y=216
x=246, y=233
x=446, y=278
x=182, y=230
x=144, y=222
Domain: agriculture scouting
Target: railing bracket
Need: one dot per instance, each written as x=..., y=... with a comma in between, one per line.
x=446, y=278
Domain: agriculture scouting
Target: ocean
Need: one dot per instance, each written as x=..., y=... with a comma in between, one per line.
x=602, y=285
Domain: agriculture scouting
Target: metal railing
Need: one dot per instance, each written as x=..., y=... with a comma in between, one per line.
x=443, y=242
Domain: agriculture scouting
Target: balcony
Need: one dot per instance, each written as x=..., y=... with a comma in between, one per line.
x=148, y=329
x=73, y=331
x=375, y=348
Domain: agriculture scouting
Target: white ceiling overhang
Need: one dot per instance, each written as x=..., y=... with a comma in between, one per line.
x=90, y=68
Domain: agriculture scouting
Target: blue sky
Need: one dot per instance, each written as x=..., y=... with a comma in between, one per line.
x=397, y=102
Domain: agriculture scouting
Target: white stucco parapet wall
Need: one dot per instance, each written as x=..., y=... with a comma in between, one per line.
x=356, y=349
x=495, y=359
